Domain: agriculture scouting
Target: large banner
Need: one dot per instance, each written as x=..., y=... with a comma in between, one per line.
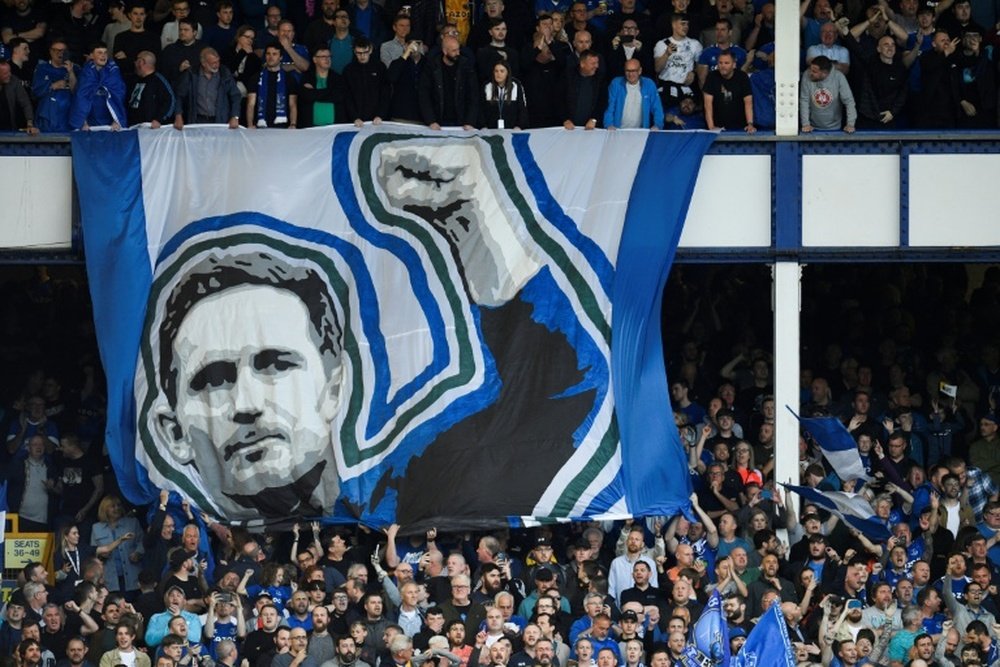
x=459, y=330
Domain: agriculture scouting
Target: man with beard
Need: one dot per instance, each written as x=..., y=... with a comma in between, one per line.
x=735, y=608
x=182, y=567
x=491, y=583
x=769, y=580
x=448, y=89
x=280, y=644
x=322, y=28
x=76, y=654
x=346, y=654
x=321, y=644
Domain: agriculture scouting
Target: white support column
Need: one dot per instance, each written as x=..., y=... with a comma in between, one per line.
x=786, y=67
x=786, y=304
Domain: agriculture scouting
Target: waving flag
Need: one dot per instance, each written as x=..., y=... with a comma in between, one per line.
x=388, y=325
x=837, y=445
x=768, y=644
x=852, y=508
x=711, y=632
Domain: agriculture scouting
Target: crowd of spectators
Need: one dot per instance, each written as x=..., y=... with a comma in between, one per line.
x=577, y=64
x=907, y=358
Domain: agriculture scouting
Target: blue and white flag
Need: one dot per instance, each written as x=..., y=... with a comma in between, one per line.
x=768, y=644
x=852, y=508
x=711, y=632
x=388, y=325
x=837, y=445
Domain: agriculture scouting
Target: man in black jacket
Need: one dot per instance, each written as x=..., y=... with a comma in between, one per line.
x=150, y=97
x=448, y=89
x=322, y=92
x=366, y=86
x=586, y=94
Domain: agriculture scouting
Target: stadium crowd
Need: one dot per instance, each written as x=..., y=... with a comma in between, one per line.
x=906, y=358
x=577, y=64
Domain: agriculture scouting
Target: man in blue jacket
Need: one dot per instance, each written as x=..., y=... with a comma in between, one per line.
x=633, y=101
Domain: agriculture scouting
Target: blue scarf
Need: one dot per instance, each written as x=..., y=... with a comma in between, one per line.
x=280, y=99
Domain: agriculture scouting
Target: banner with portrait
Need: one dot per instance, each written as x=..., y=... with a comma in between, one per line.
x=388, y=325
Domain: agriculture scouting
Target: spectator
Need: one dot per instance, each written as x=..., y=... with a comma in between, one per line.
x=32, y=419
x=274, y=100
x=294, y=57
x=321, y=93
x=222, y=33
x=939, y=95
x=543, y=64
x=724, y=41
x=150, y=97
x=503, y=105
x=269, y=33
x=393, y=49
x=497, y=50
x=208, y=94
x=763, y=28
x=120, y=22
x=181, y=55
x=977, y=82
x=404, y=75
x=129, y=43
x=448, y=89
x=633, y=101
x=829, y=47
x=244, y=65
x=125, y=653
x=53, y=86
x=625, y=46
x=81, y=483
x=822, y=12
x=25, y=20
x=728, y=97
x=321, y=29
x=496, y=9
x=823, y=98
x=342, y=42
x=78, y=25
x=119, y=532
x=585, y=94
x=179, y=9
x=370, y=21
x=882, y=95
x=675, y=58
x=32, y=481
x=366, y=86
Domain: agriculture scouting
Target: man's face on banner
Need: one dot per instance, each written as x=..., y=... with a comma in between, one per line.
x=254, y=404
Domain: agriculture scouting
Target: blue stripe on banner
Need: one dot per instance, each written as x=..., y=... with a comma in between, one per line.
x=119, y=274
x=382, y=409
x=837, y=503
x=553, y=212
x=657, y=207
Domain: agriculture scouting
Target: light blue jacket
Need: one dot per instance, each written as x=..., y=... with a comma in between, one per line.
x=651, y=105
